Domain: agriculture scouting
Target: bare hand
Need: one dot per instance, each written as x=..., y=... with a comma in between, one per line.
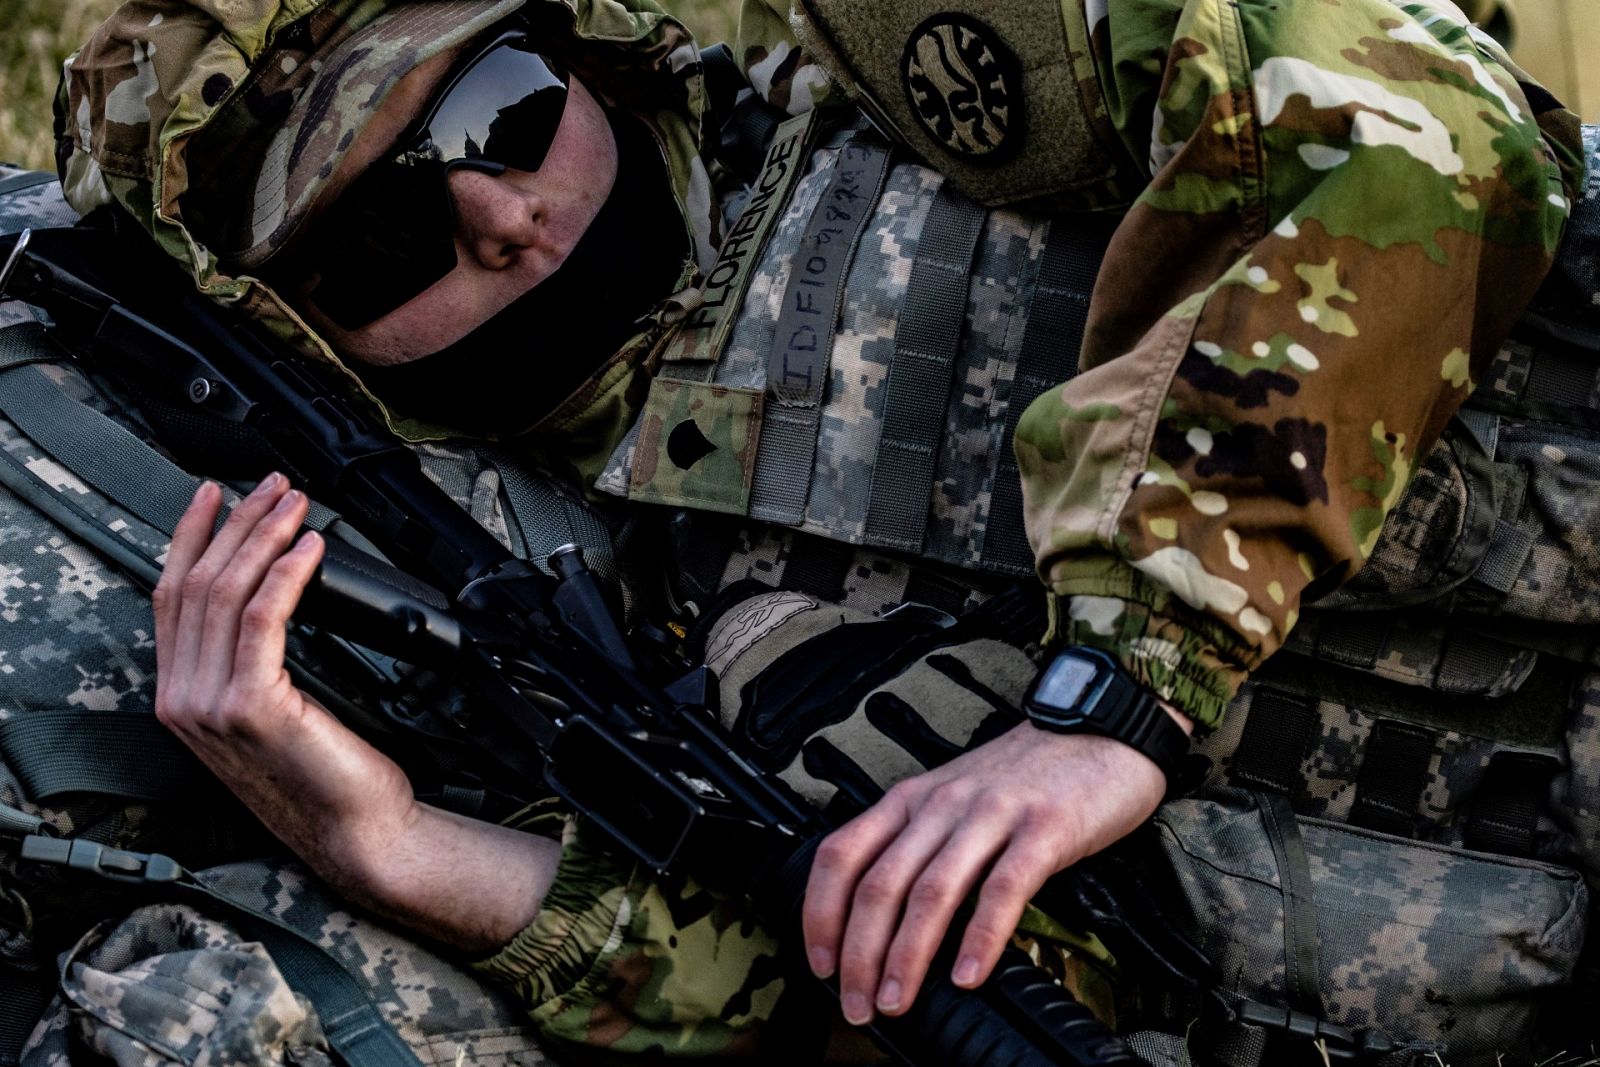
x=885, y=887
x=222, y=610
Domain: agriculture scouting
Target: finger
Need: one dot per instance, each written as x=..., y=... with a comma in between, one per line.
x=839, y=863
x=263, y=630
x=237, y=583
x=1017, y=875
x=880, y=897
x=932, y=902
x=196, y=584
x=189, y=539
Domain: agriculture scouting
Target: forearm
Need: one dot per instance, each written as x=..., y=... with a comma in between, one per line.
x=221, y=613
x=470, y=884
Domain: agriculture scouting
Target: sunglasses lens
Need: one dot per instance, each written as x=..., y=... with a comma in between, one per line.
x=389, y=237
x=479, y=119
x=391, y=234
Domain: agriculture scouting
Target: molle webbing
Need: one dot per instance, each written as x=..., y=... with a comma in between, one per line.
x=926, y=345
x=1275, y=741
x=1505, y=812
x=819, y=567
x=797, y=369
x=878, y=367
x=1056, y=321
x=1394, y=772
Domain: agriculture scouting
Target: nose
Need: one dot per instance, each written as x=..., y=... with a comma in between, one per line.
x=496, y=215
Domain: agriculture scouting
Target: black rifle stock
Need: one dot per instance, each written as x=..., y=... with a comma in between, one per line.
x=560, y=700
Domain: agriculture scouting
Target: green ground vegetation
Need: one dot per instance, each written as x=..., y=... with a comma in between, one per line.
x=36, y=36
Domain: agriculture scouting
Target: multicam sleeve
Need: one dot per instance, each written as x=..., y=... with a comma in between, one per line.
x=777, y=66
x=1350, y=204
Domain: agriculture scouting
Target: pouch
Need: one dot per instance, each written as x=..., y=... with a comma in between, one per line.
x=1443, y=950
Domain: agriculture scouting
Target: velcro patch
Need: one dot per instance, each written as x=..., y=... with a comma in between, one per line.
x=697, y=446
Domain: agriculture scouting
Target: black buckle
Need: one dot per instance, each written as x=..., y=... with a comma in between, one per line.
x=112, y=863
x=1341, y=1043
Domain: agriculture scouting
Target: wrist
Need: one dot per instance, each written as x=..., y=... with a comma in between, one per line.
x=1085, y=690
x=1183, y=721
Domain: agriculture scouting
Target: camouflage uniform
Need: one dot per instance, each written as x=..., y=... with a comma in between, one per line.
x=1184, y=493
x=82, y=657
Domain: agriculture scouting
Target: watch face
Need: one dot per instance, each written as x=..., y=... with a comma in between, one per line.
x=1065, y=682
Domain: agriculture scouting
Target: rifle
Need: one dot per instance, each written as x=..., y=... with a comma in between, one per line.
x=562, y=703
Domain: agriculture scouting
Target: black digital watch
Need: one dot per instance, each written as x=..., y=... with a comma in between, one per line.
x=1086, y=691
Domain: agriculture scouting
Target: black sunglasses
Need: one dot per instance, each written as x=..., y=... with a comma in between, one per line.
x=391, y=234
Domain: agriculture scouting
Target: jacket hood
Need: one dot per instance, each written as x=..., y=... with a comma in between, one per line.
x=196, y=117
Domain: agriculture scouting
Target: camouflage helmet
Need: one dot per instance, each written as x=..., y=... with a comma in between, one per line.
x=216, y=126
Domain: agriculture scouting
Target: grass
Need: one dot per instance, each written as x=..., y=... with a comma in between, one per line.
x=36, y=36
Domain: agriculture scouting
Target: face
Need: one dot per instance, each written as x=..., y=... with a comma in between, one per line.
x=513, y=230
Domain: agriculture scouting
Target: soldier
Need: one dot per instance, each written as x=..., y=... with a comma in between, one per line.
x=1223, y=452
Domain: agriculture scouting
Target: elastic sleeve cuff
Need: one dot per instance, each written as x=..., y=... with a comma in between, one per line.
x=563, y=953
x=1181, y=655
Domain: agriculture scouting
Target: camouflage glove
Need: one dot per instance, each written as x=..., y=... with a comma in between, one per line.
x=843, y=706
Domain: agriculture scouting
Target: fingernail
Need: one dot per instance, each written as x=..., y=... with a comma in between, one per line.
x=889, y=996
x=288, y=502
x=966, y=972
x=856, y=1010
x=308, y=541
x=269, y=483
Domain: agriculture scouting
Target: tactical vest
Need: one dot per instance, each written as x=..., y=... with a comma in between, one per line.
x=865, y=347
x=1428, y=741
x=1438, y=718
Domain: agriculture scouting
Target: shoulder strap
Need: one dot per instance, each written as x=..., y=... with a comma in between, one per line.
x=92, y=446
x=131, y=472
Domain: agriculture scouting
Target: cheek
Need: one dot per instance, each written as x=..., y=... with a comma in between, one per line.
x=453, y=307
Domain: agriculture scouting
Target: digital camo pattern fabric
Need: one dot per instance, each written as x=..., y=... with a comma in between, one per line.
x=1451, y=949
x=177, y=983
x=1250, y=413
x=862, y=355
x=1311, y=729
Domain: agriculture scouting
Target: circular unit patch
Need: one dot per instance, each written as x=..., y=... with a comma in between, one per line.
x=964, y=86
